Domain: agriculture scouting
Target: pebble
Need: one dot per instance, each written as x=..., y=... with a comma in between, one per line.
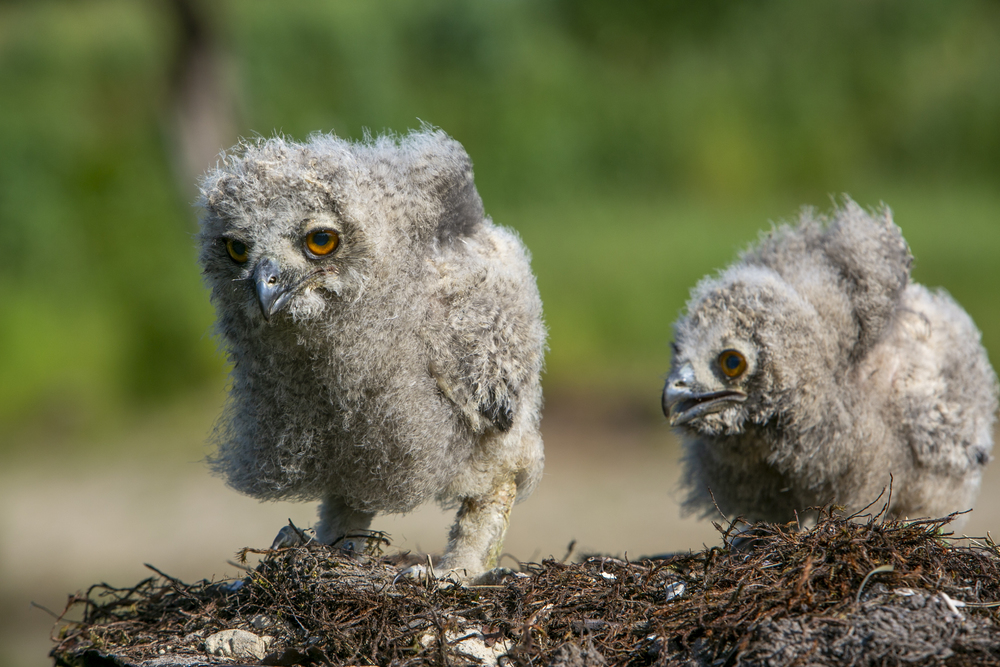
x=238, y=644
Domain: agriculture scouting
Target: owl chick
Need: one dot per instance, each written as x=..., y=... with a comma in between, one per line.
x=812, y=369
x=386, y=338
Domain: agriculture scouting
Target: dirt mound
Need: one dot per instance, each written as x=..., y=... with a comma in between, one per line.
x=849, y=591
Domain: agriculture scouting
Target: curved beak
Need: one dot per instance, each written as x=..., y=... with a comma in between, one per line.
x=684, y=400
x=272, y=292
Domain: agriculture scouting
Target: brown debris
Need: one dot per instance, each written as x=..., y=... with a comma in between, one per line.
x=823, y=596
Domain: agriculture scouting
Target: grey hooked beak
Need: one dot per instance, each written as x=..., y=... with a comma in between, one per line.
x=684, y=401
x=272, y=293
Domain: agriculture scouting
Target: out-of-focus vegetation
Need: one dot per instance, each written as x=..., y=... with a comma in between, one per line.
x=635, y=146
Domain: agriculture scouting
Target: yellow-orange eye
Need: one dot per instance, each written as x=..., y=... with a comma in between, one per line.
x=322, y=241
x=237, y=250
x=732, y=363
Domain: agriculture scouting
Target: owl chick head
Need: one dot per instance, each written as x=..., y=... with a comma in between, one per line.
x=292, y=230
x=765, y=339
x=748, y=339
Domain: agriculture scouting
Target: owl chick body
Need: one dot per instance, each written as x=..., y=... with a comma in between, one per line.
x=386, y=337
x=812, y=369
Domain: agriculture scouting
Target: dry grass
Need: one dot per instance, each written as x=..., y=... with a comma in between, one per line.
x=852, y=590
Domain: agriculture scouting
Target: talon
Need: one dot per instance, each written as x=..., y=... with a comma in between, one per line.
x=289, y=536
x=358, y=545
x=427, y=573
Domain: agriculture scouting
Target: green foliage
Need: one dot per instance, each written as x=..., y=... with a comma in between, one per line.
x=723, y=99
x=103, y=306
x=635, y=147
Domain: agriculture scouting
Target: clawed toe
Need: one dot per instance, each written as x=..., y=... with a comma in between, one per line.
x=290, y=536
x=353, y=544
x=426, y=573
x=360, y=543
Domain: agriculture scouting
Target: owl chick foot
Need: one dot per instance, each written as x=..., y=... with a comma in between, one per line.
x=426, y=573
x=290, y=536
x=361, y=542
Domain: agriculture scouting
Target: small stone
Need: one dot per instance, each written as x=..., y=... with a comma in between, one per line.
x=261, y=622
x=471, y=643
x=574, y=655
x=674, y=590
x=238, y=644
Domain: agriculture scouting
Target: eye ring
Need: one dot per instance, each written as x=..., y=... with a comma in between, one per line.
x=238, y=250
x=732, y=363
x=322, y=242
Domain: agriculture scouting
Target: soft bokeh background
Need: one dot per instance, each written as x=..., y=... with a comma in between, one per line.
x=635, y=147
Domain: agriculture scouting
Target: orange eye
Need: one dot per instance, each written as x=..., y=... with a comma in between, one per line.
x=732, y=363
x=237, y=250
x=322, y=241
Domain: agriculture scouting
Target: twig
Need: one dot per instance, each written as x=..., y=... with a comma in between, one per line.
x=173, y=580
x=717, y=508
x=862, y=510
x=46, y=610
x=569, y=551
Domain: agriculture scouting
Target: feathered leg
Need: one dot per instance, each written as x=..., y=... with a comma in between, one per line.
x=476, y=538
x=338, y=521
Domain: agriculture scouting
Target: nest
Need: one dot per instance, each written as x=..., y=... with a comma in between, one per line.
x=850, y=591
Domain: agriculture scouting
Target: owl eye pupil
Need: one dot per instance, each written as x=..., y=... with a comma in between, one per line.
x=237, y=250
x=322, y=242
x=732, y=363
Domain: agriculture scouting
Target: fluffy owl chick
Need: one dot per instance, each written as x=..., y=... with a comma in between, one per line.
x=386, y=337
x=812, y=369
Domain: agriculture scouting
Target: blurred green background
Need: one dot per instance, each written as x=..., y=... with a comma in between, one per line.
x=635, y=147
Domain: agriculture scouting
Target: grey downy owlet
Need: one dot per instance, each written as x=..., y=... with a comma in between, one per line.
x=812, y=369
x=386, y=337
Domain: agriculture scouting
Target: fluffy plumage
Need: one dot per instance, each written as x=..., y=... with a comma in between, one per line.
x=812, y=368
x=400, y=366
